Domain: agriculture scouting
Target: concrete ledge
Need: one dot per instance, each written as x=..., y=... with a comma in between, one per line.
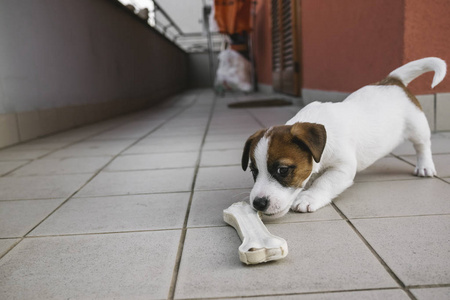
x=442, y=109
x=265, y=88
x=9, y=131
x=25, y=126
x=311, y=95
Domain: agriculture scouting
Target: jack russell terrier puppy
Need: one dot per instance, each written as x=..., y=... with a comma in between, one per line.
x=309, y=161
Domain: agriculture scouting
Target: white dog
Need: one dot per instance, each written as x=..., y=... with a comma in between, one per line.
x=309, y=161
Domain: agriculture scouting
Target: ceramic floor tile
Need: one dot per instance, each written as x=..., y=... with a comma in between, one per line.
x=323, y=256
x=215, y=178
x=439, y=145
x=154, y=161
x=432, y=293
x=180, y=130
x=56, y=166
x=227, y=137
x=221, y=158
x=8, y=166
x=40, y=187
x=224, y=144
x=207, y=209
x=207, y=206
x=139, y=182
x=324, y=214
x=385, y=169
x=441, y=162
x=18, y=217
x=394, y=294
x=415, y=248
x=41, y=144
x=166, y=145
x=108, y=266
x=11, y=154
x=73, y=135
x=6, y=244
x=116, y=214
x=271, y=118
x=395, y=198
x=228, y=127
x=237, y=130
x=92, y=148
x=129, y=131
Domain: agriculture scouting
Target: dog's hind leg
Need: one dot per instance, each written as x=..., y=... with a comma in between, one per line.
x=420, y=136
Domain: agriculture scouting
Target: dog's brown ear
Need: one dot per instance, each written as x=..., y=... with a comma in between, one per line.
x=248, y=144
x=313, y=136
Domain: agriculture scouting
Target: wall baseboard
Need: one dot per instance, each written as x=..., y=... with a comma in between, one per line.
x=24, y=126
x=311, y=95
x=265, y=88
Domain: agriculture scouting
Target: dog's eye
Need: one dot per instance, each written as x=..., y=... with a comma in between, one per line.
x=283, y=171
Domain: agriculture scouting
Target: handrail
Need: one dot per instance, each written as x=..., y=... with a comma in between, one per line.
x=168, y=18
x=164, y=24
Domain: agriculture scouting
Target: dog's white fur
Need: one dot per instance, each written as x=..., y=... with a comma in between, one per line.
x=363, y=128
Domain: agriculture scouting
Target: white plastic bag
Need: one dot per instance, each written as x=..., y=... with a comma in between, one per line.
x=234, y=72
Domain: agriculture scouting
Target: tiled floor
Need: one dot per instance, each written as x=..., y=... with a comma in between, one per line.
x=131, y=208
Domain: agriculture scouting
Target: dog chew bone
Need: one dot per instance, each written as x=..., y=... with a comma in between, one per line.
x=258, y=244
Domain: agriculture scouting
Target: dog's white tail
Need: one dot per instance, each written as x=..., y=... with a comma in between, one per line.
x=414, y=69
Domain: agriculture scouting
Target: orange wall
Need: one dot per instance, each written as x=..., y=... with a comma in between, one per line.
x=350, y=43
x=262, y=42
x=427, y=33
x=347, y=44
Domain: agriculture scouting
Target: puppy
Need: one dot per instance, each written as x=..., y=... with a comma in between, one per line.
x=309, y=161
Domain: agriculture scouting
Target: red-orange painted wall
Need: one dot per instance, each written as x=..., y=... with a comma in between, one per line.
x=262, y=42
x=350, y=43
x=427, y=33
x=347, y=44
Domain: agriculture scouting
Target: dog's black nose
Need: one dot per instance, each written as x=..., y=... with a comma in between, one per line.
x=261, y=203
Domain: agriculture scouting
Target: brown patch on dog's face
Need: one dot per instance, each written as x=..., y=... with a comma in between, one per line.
x=288, y=161
x=397, y=82
x=249, y=150
x=291, y=151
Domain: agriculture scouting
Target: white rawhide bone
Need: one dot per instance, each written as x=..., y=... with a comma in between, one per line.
x=258, y=244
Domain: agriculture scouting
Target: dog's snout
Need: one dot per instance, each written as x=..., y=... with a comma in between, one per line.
x=261, y=203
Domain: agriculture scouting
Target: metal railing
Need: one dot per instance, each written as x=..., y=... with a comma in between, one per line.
x=158, y=18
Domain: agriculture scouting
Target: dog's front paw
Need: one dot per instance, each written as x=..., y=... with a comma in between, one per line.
x=305, y=203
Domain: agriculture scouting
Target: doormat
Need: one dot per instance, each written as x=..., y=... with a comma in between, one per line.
x=259, y=103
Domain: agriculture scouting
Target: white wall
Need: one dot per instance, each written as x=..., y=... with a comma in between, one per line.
x=62, y=52
x=199, y=72
x=65, y=53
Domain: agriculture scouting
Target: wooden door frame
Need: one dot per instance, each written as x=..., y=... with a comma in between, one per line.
x=287, y=80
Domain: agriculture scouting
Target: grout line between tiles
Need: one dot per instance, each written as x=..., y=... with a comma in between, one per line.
x=404, y=160
x=99, y=233
x=63, y=147
x=35, y=199
x=294, y=294
x=156, y=193
x=375, y=253
x=184, y=108
x=176, y=269
x=255, y=118
x=428, y=286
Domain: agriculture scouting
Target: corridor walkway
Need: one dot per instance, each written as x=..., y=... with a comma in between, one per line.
x=131, y=208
